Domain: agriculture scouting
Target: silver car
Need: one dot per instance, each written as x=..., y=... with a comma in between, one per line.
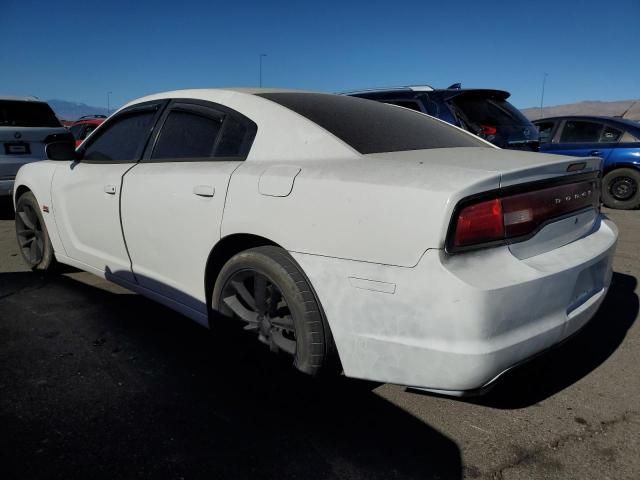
x=26, y=126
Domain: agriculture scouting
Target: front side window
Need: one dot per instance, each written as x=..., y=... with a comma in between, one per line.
x=123, y=139
x=578, y=131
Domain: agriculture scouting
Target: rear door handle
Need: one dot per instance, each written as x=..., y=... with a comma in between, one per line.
x=110, y=189
x=204, y=190
x=595, y=153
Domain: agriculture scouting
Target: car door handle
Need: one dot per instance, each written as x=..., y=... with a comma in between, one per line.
x=204, y=190
x=110, y=189
x=595, y=153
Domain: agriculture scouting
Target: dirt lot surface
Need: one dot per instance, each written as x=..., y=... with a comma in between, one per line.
x=96, y=382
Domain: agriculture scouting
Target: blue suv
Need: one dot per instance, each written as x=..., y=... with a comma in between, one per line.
x=616, y=140
x=484, y=112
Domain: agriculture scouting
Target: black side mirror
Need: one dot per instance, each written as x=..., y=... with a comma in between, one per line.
x=61, y=151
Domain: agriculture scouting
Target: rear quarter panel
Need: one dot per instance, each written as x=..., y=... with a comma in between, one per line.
x=368, y=209
x=624, y=156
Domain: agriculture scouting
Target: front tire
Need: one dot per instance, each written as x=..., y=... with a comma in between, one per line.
x=266, y=289
x=31, y=232
x=621, y=189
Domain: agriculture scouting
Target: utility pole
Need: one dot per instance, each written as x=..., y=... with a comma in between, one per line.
x=261, y=56
x=109, y=103
x=544, y=81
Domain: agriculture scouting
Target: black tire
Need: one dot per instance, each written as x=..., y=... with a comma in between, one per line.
x=315, y=351
x=32, y=235
x=621, y=189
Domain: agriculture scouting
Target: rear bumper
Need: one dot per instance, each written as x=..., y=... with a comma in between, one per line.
x=453, y=324
x=6, y=187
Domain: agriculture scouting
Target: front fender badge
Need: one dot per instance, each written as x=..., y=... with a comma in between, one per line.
x=45, y=208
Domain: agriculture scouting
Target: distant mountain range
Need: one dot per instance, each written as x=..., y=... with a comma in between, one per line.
x=73, y=110
x=629, y=108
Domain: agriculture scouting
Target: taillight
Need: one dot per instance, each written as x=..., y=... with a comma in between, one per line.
x=479, y=223
x=510, y=217
x=488, y=129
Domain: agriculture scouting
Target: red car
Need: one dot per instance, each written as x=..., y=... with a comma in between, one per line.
x=82, y=127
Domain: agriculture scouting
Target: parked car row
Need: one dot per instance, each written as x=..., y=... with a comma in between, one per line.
x=488, y=114
x=616, y=141
x=347, y=234
x=484, y=112
x=27, y=125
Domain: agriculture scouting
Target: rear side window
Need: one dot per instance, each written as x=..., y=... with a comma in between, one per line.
x=629, y=138
x=610, y=135
x=576, y=131
x=26, y=114
x=233, y=140
x=482, y=110
x=373, y=127
x=186, y=134
x=123, y=139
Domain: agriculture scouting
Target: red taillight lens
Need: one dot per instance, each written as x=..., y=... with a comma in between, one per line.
x=518, y=215
x=479, y=223
x=489, y=129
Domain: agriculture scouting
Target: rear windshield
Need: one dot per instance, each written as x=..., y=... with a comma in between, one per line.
x=373, y=127
x=14, y=113
x=483, y=110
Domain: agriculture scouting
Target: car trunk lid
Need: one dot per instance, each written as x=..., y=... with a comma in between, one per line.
x=518, y=173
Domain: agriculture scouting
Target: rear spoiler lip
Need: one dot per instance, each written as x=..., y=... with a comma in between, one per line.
x=450, y=94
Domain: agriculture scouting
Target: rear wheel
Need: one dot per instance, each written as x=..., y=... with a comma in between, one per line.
x=265, y=289
x=31, y=232
x=621, y=189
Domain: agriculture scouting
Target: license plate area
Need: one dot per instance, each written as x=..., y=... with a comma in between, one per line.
x=589, y=282
x=17, y=148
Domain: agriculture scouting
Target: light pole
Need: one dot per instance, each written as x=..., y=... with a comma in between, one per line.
x=544, y=81
x=261, y=56
x=109, y=103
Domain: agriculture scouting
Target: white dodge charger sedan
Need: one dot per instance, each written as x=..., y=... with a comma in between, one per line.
x=337, y=230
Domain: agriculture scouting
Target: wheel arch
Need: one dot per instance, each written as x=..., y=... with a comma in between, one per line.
x=18, y=192
x=610, y=167
x=226, y=248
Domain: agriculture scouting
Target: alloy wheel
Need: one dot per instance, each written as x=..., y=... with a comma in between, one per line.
x=30, y=234
x=259, y=303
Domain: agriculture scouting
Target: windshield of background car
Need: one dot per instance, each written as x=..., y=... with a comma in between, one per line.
x=26, y=114
x=491, y=111
x=373, y=127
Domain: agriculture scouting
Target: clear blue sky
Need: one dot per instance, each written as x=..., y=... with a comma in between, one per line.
x=78, y=51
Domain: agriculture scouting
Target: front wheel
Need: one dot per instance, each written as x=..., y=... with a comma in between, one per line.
x=31, y=232
x=265, y=289
x=621, y=189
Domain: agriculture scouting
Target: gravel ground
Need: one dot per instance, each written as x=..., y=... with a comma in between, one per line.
x=97, y=382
